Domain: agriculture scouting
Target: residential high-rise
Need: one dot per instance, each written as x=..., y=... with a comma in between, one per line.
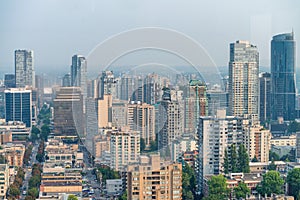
x=217, y=134
x=141, y=117
x=107, y=84
x=170, y=115
x=104, y=111
x=119, y=113
x=195, y=105
x=9, y=81
x=243, y=79
x=66, y=80
x=283, y=89
x=124, y=148
x=24, y=68
x=258, y=143
x=152, y=178
x=264, y=96
x=18, y=105
x=127, y=86
x=68, y=112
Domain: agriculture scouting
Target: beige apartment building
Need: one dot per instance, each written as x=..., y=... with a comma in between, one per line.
x=104, y=108
x=259, y=143
x=141, y=117
x=284, y=141
x=4, y=180
x=153, y=178
x=124, y=148
x=13, y=154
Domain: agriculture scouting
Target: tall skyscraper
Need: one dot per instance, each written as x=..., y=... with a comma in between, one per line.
x=18, y=105
x=78, y=71
x=195, y=105
x=243, y=79
x=107, y=84
x=170, y=115
x=24, y=68
x=264, y=96
x=68, y=112
x=283, y=89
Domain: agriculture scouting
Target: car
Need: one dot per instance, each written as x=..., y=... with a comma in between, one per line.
x=24, y=192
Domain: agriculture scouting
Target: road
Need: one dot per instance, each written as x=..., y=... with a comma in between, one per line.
x=28, y=169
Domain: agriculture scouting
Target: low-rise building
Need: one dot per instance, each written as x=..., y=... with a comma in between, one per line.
x=18, y=130
x=261, y=167
x=13, y=153
x=250, y=179
x=284, y=140
x=114, y=186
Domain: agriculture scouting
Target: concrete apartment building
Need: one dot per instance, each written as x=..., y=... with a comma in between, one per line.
x=13, y=154
x=4, y=180
x=153, y=178
x=243, y=79
x=258, y=143
x=104, y=111
x=141, y=117
x=217, y=134
x=124, y=148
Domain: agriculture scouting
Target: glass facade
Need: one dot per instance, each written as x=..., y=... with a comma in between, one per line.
x=283, y=77
x=18, y=106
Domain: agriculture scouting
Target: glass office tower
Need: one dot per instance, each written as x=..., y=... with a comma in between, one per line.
x=283, y=78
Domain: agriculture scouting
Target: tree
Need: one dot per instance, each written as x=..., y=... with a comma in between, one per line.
x=33, y=192
x=35, y=130
x=273, y=156
x=243, y=160
x=293, y=180
x=233, y=159
x=188, y=182
x=254, y=159
x=2, y=159
x=72, y=197
x=124, y=196
x=142, y=144
x=153, y=145
x=226, y=162
x=241, y=191
x=293, y=127
x=272, y=166
x=34, y=181
x=271, y=183
x=14, y=190
x=218, y=188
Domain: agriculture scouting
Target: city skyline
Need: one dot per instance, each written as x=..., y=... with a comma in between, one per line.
x=257, y=25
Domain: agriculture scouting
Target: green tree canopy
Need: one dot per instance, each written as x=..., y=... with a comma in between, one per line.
x=241, y=191
x=271, y=183
x=33, y=192
x=188, y=182
x=218, y=188
x=226, y=162
x=243, y=159
x=72, y=197
x=293, y=180
x=233, y=159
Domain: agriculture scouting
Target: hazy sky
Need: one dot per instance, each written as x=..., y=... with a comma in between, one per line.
x=57, y=29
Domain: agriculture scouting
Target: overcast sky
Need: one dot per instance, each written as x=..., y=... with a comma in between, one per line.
x=57, y=29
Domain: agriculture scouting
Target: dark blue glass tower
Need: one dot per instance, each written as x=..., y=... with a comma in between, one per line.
x=283, y=87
